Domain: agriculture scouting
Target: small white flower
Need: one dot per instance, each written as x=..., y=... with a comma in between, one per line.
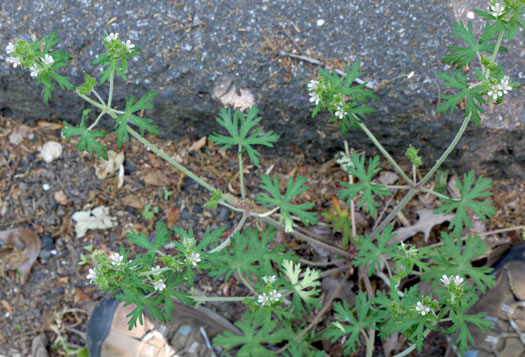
x=10, y=48
x=269, y=279
x=313, y=85
x=112, y=37
x=446, y=280
x=155, y=270
x=458, y=280
x=340, y=113
x=34, y=70
x=274, y=296
x=495, y=92
x=159, y=285
x=262, y=299
x=314, y=98
x=14, y=60
x=48, y=60
x=497, y=9
x=193, y=258
x=129, y=45
x=92, y=275
x=504, y=84
x=422, y=308
x=116, y=259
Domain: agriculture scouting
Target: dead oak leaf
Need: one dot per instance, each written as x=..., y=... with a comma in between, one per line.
x=427, y=220
x=16, y=239
x=157, y=178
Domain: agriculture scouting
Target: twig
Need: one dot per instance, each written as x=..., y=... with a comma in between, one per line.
x=306, y=238
x=319, y=63
x=335, y=270
x=291, y=39
x=189, y=26
x=503, y=230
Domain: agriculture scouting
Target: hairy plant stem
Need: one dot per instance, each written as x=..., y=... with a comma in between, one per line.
x=241, y=174
x=246, y=282
x=436, y=166
x=412, y=347
x=203, y=299
x=385, y=153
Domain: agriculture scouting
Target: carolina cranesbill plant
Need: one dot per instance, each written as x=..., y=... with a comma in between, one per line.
x=408, y=311
x=281, y=292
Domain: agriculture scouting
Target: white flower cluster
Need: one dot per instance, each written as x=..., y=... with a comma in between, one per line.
x=36, y=68
x=159, y=285
x=193, y=258
x=269, y=279
x=114, y=37
x=501, y=88
x=447, y=280
x=496, y=9
x=92, y=275
x=269, y=298
x=422, y=308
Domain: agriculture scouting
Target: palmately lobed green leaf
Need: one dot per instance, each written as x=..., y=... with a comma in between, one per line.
x=239, y=127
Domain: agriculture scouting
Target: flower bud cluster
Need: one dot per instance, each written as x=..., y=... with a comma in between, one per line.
x=269, y=296
x=22, y=54
x=118, y=49
x=496, y=89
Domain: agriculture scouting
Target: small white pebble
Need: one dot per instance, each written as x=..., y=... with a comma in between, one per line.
x=470, y=15
x=320, y=22
x=45, y=187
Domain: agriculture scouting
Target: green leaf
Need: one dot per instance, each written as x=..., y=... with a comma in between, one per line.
x=60, y=60
x=341, y=86
x=249, y=253
x=474, y=96
x=283, y=202
x=87, y=87
x=462, y=56
x=257, y=328
x=304, y=289
x=132, y=107
x=239, y=127
x=372, y=256
x=469, y=194
x=87, y=141
x=161, y=239
x=454, y=258
x=365, y=187
x=353, y=323
x=460, y=320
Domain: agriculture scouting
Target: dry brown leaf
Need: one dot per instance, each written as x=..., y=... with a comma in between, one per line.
x=80, y=296
x=133, y=201
x=427, y=220
x=387, y=177
x=61, y=197
x=173, y=216
x=110, y=167
x=157, y=178
x=49, y=125
x=38, y=346
x=453, y=188
x=345, y=293
x=7, y=306
x=197, y=145
x=29, y=240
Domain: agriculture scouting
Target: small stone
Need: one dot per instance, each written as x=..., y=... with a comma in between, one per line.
x=320, y=22
x=47, y=242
